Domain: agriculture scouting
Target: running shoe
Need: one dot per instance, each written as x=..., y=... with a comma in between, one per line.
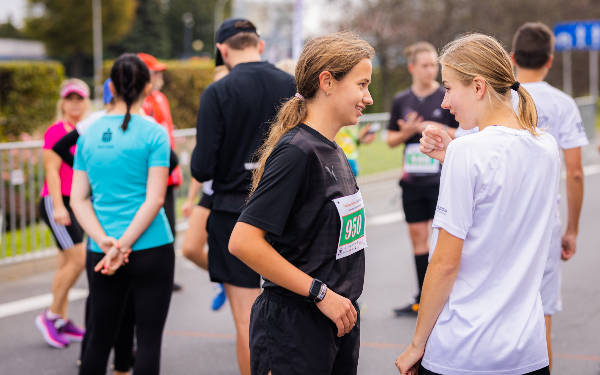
x=51, y=334
x=219, y=298
x=409, y=310
x=69, y=330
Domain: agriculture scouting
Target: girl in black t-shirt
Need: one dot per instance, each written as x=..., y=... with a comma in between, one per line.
x=303, y=226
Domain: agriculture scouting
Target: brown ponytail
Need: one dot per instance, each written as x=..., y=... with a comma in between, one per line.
x=336, y=53
x=478, y=55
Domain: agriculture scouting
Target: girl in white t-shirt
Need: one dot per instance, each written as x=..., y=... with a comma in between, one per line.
x=481, y=311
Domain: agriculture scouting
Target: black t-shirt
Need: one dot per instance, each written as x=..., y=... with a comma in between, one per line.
x=233, y=121
x=293, y=204
x=430, y=109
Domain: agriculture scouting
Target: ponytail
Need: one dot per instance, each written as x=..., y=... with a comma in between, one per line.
x=130, y=76
x=526, y=112
x=291, y=114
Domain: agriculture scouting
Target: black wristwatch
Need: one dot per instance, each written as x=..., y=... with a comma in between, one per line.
x=317, y=291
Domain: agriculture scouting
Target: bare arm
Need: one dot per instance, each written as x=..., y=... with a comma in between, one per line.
x=82, y=207
x=249, y=245
x=408, y=128
x=439, y=281
x=52, y=163
x=156, y=187
x=193, y=192
x=574, y=200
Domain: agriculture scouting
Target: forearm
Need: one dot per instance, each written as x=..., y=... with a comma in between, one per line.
x=259, y=255
x=194, y=189
x=86, y=216
x=54, y=188
x=395, y=138
x=439, y=281
x=141, y=221
x=574, y=199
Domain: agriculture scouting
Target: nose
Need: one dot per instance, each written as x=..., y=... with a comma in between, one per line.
x=445, y=102
x=368, y=99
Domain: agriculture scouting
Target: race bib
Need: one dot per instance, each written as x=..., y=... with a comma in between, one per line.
x=417, y=162
x=352, y=232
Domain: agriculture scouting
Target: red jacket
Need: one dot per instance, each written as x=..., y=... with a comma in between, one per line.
x=157, y=106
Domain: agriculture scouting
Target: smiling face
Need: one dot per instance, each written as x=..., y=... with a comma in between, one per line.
x=351, y=94
x=461, y=100
x=424, y=69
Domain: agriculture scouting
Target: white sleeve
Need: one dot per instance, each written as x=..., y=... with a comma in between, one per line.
x=571, y=133
x=454, y=211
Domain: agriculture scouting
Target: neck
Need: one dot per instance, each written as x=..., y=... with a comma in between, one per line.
x=531, y=75
x=424, y=89
x=242, y=56
x=322, y=120
x=120, y=108
x=71, y=120
x=502, y=114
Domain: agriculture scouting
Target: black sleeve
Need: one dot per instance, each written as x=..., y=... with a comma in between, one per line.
x=272, y=202
x=173, y=161
x=63, y=147
x=394, y=115
x=209, y=136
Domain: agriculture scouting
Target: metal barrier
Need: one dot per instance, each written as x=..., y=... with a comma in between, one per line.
x=24, y=236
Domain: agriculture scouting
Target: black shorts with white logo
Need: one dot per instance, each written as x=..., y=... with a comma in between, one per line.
x=222, y=266
x=419, y=201
x=290, y=335
x=66, y=236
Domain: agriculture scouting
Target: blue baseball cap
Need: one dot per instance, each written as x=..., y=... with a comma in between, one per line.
x=107, y=93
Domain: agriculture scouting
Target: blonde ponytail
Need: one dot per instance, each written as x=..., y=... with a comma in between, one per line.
x=526, y=111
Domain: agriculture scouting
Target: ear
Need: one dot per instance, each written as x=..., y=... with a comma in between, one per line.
x=479, y=87
x=147, y=89
x=410, y=68
x=112, y=89
x=326, y=81
x=223, y=48
x=549, y=62
x=512, y=59
x=261, y=46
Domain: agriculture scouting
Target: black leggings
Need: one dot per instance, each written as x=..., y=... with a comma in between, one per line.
x=147, y=281
x=542, y=371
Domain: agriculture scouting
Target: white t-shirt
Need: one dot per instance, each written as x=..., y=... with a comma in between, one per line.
x=497, y=193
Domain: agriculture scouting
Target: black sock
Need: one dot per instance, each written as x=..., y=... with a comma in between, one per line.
x=421, y=262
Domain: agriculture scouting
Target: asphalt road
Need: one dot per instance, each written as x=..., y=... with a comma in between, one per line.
x=199, y=341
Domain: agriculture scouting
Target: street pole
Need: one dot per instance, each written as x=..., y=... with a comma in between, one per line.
x=567, y=77
x=97, y=32
x=594, y=75
x=297, y=31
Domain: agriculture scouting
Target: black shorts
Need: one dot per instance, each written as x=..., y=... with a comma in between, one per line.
x=542, y=371
x=222, y=266
x=206, y=201
x=289, y=335
x=419, y=201
x=66, y=236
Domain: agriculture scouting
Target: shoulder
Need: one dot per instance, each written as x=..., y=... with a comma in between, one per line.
x=54, y=128
x=147, y=125
x=546, y=95
x=548, y=142
x=402, y=95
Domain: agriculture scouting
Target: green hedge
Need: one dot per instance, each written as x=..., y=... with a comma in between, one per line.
x=184, y=83
x=29, y=91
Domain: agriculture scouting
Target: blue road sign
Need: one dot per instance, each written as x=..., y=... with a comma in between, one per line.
x=580, y=35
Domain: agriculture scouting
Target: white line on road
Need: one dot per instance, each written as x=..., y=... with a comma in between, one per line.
x=36, y=303
x=383, y=219
x=589, y=170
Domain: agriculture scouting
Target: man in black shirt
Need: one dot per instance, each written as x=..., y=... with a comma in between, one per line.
x=412, y=110
x=233, y=121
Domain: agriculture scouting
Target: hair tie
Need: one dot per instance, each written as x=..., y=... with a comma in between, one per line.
x=515, y=86
x=299, y=96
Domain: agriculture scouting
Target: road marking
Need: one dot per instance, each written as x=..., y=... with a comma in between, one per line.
x=384, y=219
x=589, y=170
x=36, y=303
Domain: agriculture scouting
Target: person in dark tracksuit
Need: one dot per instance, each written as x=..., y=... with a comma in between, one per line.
x=233, y=120
x=303, y=228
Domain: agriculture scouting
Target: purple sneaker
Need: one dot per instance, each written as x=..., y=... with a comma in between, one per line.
x=69, y=330
x=48, y=329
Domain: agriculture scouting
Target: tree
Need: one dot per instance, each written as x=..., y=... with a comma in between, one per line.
x=392, y=25
x=8, y=30
x=148, y=33
x=65, y=27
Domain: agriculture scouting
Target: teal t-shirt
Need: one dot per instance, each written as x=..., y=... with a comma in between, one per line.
x=117, y=164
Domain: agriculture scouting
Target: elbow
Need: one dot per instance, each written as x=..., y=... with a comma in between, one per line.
x=445, y=270
x=236, y=244
x=159, y=202
x=576, y=175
